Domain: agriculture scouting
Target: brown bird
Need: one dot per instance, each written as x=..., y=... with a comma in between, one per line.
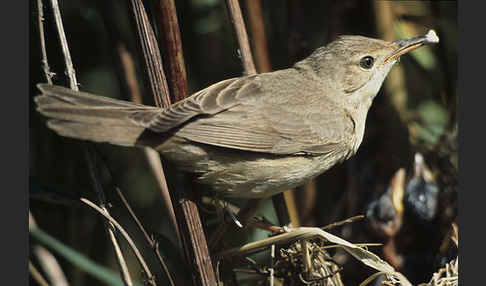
x=251, y=136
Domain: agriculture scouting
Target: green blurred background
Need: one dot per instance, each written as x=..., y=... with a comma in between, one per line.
x=416, y=111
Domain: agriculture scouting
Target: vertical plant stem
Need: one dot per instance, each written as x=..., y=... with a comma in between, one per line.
x=257, y=32
x=151, y=54
x=193, y=237
x=158, y=82
x=152, y=157
x=239, y=26
x=173, y=54
x=45, y=65
x=158, y=171
x=73, y=83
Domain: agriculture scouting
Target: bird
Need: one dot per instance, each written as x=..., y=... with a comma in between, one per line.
x=251, y=136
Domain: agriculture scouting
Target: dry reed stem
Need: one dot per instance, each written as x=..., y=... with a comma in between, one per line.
x=240, y=30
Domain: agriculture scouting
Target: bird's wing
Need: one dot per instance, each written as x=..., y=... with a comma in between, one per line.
x=209, y=101
x=232, y=114
x=275, y=130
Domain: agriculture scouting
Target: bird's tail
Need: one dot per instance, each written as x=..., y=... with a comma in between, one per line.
x=91, y=117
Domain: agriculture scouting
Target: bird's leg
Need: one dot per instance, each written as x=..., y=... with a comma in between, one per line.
x=244, y=215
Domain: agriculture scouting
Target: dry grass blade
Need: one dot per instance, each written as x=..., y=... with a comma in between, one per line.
x=455, y=234
x=357, y=244
x=305, y=233
x=371, y=278
x=36, y=275
x=153, y=244
x=109, y=225
x=101, y=211
x=446, y=276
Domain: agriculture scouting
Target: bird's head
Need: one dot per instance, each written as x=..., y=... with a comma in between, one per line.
x=356, y=66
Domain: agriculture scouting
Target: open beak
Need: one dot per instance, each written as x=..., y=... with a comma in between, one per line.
x=405, y=46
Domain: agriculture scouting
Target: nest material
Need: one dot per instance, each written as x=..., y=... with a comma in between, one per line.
x=307, y=263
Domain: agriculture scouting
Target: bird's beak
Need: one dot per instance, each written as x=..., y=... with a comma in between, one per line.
x=405, y=46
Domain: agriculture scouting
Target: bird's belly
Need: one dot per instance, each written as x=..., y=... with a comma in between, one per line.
x=243, y=174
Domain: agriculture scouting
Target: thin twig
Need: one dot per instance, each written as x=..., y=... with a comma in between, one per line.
x=36, y=275
x=244, y=215
x=110, y=226
x=264, y=225
x=153, y=244
x=45, y=65
x=240, y=30
x=339, y=223
x=73, y=83
x=106, y=215
x=134, y=217
x=97, y=186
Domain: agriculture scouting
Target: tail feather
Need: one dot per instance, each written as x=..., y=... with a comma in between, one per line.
x=118, y=135
x=68, y=96
x=85, y=116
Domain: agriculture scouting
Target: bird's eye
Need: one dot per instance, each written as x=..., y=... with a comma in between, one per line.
x=367, y=62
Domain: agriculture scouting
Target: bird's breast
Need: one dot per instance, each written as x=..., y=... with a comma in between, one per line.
x=244, y=174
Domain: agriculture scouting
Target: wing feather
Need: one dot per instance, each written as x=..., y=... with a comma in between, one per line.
x=245, y=113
